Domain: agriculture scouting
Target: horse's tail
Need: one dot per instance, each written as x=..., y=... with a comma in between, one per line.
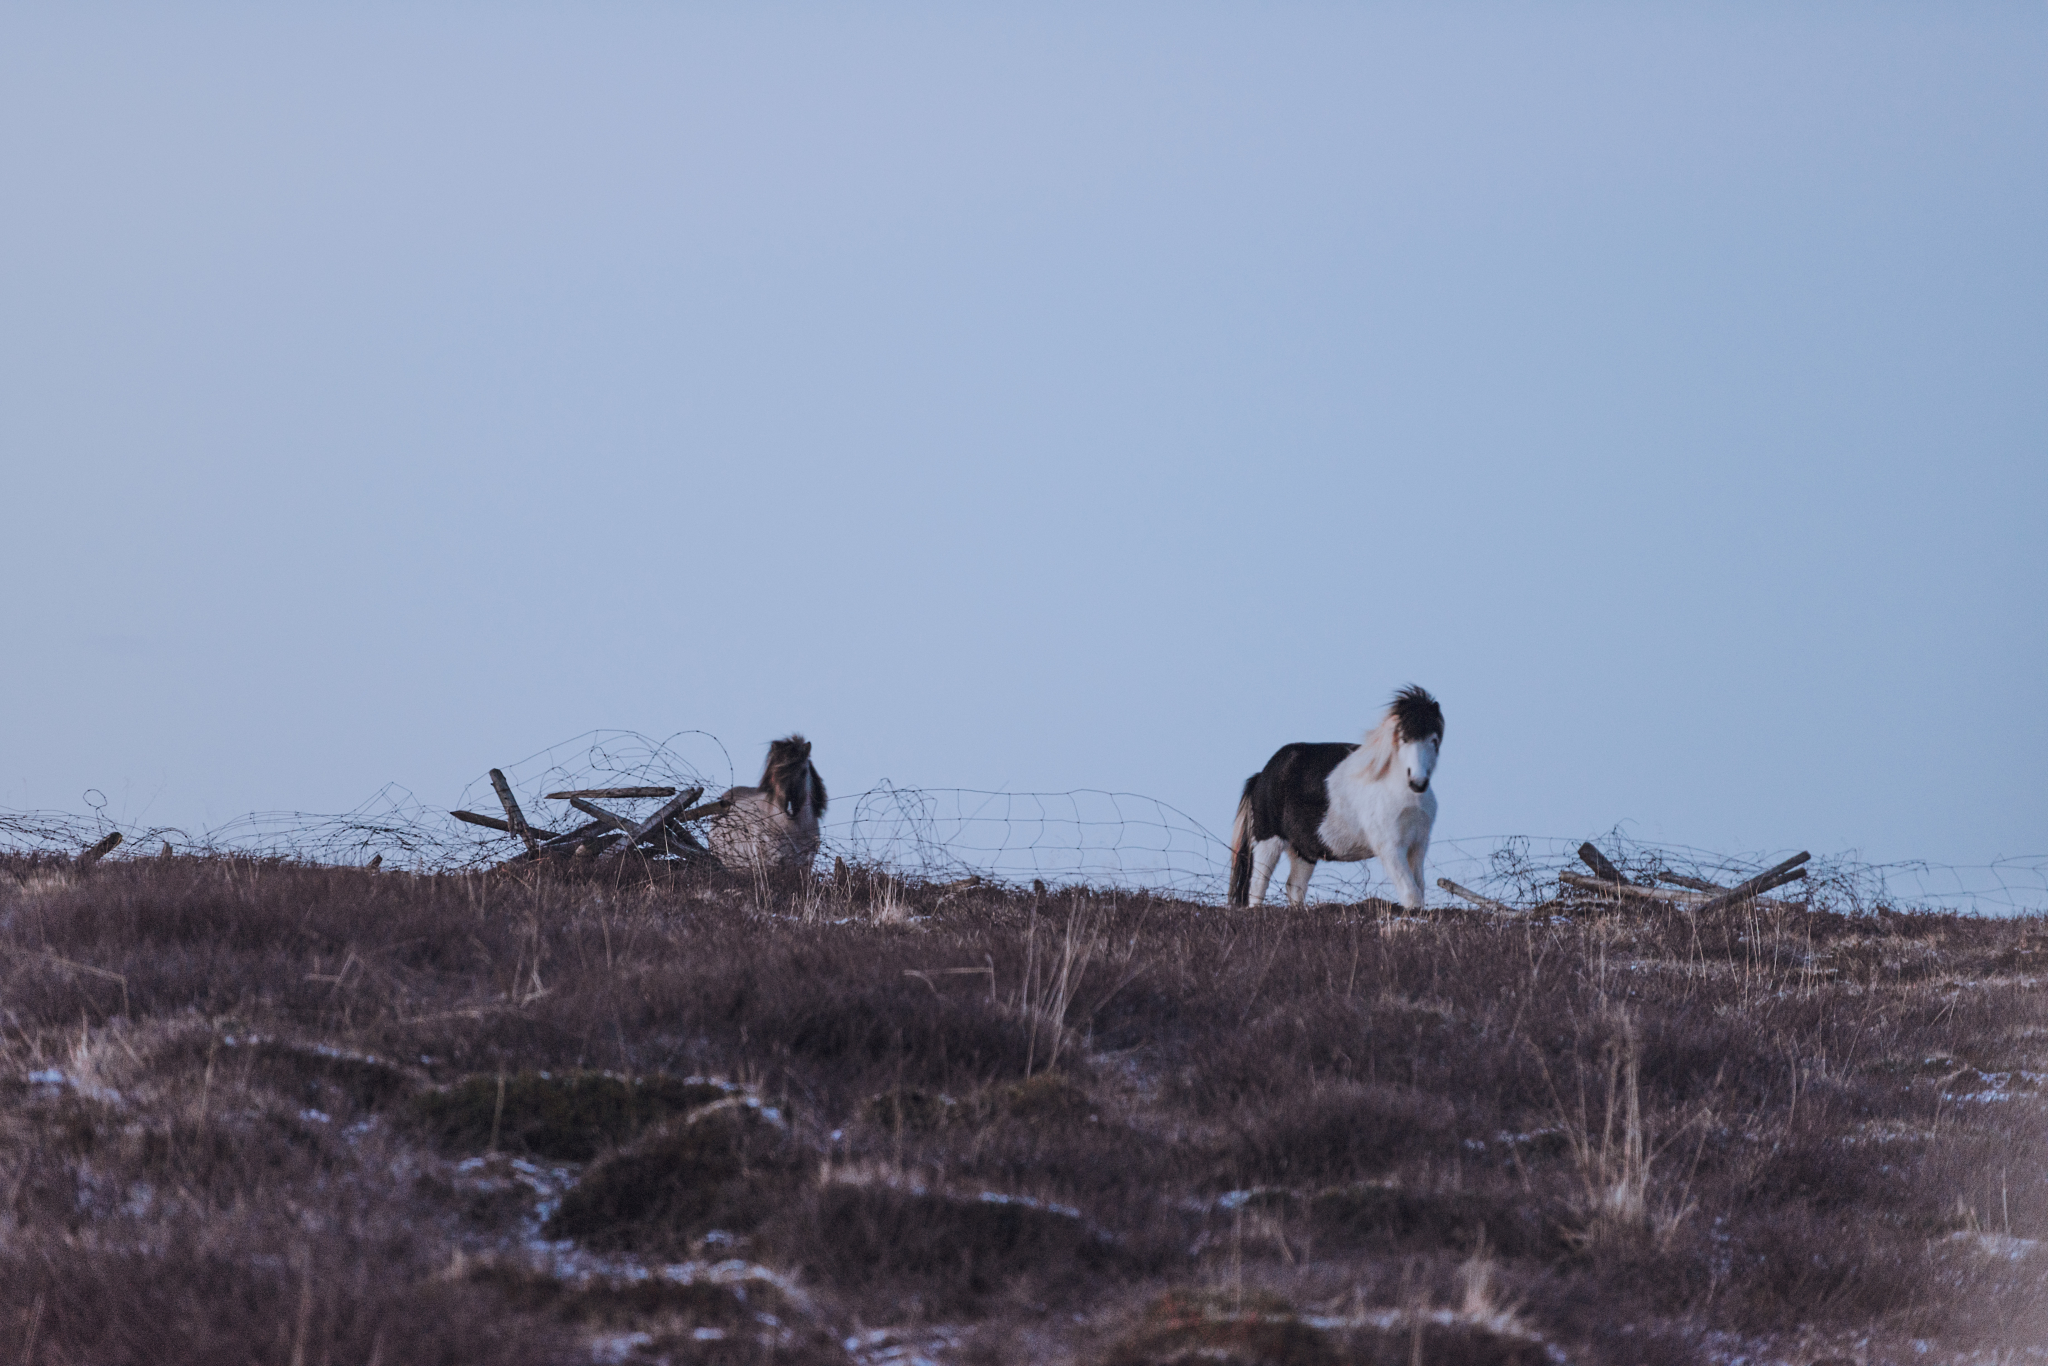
x=1241, y=847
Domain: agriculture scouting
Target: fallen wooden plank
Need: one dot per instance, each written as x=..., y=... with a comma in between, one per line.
x=1762, y=882
x=1597, y=861
x=513, y=814
x=1664, y=894
x=614, y=793
x=1698, y=884
x=98, y=851
x=655, y=821
x=1484, y=903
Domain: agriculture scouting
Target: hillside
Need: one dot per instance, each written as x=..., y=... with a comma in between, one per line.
x=275, y=1113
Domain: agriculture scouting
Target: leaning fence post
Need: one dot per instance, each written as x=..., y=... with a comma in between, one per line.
x=99, y=851
x=513, y=814
x=1597, y=861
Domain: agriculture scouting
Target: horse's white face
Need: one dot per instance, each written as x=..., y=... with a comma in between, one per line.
x=1418, y=758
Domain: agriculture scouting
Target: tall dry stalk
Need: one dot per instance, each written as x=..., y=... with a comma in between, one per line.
x=1051, y=980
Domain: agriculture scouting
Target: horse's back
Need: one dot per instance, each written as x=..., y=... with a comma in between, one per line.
x=1291, y=795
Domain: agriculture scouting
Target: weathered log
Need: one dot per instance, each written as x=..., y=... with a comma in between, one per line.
x=614, y=793
x=708, y=811
x=1762, y=882
x=1698, y=884
x=98, y=851
x=1597, y=861
x=556, y=843
x=1484, y=903
x=602, y=816
x=488, y=822
x=513, y=815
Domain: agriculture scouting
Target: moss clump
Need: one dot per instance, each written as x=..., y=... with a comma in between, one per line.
x=1049, y=1096
x=910, y=1109
x=723, y=1167
x=1393, y=1217
x=567, y=1116
x=1248, y=1330
x=329, y=1078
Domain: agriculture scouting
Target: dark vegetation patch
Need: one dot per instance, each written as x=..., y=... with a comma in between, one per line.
x=922, y=1253
x=1183, y=1329
x=270, y=1113
x=700, y=1322
x=1503, y=1222
x=726, y=1168
x=569, y=1117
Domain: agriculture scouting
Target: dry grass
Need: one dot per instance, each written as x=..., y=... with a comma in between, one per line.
x=268, y=1113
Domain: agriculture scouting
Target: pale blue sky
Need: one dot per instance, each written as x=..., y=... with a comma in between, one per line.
x=1041, y=396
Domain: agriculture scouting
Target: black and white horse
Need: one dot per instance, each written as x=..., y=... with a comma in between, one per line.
x=1343, y=802
x=774, y=825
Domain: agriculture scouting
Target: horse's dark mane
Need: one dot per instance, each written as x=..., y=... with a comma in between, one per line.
x=1417, y=714
x=788, y=769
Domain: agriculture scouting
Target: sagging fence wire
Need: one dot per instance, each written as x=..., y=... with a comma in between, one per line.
x=1086, y=836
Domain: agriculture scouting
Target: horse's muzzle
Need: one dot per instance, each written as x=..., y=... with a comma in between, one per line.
x=1422, y=786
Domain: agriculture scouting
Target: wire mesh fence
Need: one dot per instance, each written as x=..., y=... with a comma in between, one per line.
x=1085, y=836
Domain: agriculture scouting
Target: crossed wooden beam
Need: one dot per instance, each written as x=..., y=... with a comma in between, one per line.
x=607, y=835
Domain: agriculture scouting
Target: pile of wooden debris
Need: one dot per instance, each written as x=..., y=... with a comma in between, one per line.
x=667, y=833
x=1607, y=884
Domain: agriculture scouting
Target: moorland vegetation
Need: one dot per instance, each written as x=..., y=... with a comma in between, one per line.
x=264, y=1112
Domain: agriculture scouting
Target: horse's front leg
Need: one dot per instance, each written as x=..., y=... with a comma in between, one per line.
x=1299, y=870
x=1404, y=870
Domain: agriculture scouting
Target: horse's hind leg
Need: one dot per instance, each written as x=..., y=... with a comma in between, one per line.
x=1299, y=870
x=1265, y=854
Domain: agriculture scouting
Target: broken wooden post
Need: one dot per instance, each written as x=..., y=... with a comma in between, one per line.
x=99, y=851
x=1597, y=861
x=1762, y=882
x=637, y=833
x=374, y=864
x=1698, y=884
x=167, y=850
x=513, y=814
x=488, y=822
x=1484, y=903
